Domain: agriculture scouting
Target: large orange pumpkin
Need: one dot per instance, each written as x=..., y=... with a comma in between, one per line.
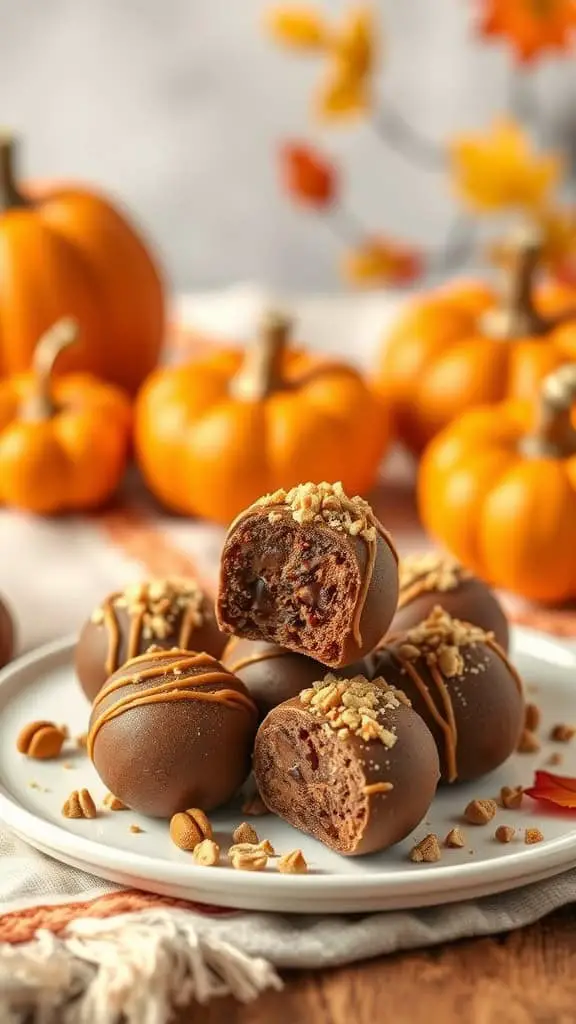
x=64, y=443
x=498, y=488
x=213, y=435
x=465, y=344
x=66, y=251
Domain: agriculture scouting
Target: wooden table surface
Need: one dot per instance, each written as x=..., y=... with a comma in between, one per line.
x=525, y=977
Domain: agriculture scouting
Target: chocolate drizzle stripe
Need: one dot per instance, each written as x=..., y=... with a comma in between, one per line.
x=448, y=724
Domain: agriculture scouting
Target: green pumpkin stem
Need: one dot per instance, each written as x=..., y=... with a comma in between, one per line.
x=40, y=404
x=10, y=194
x=261, y=372
x=554, y=435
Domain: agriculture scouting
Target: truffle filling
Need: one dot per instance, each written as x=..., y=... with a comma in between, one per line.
x=294, y=585
x=310, y=778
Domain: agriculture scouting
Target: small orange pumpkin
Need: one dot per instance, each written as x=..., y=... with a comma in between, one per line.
x=213, y=435
x=464, y=345
x=63, y=443
x=498, y=488
x=68, y=251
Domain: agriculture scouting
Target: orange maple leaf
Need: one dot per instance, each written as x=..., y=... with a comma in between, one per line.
x=530, y=26
x=499, y=169
x=558, y=228
x=309, y=177
x=382, y=261
x=554, y=789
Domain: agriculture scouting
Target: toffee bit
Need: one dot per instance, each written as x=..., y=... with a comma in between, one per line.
x=455, y=838
x=427, y=850
x=555, y=759
x=440, y=640
x=79, y=805
x=135, y=829
x=532, y=717
x=528, y=743
x=113, y=803
x=480, y=812
x=504, y=834
x=562, y=733
x=293, y=863
x=511, y=797
x=40, y=740
x=352, y=707
x=533, y=835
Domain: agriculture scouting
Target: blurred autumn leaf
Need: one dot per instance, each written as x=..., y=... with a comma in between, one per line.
x=530, y=27
x=309, y=177
x=381, y=260
x=499, y=169
x=301, y=28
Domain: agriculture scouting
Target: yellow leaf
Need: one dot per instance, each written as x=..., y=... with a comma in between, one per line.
x=378, y=261
x=500, y=170
x=356, y=44
x=342, y=93
x=302, y=28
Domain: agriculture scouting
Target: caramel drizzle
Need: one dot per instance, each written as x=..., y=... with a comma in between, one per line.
x=250, y=659
x=410, y=591
x=178, y=688
x=112, y=625
x=447, y=723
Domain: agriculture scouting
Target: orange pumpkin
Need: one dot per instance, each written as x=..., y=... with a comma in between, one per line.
x=464, y=345
x=63, y=443
x=67, y=251
x=213, y=435
x=498, y=488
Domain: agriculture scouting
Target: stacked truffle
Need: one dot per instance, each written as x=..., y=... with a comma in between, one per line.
x=356, y=727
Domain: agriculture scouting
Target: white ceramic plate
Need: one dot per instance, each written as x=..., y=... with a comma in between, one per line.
x=42, y=685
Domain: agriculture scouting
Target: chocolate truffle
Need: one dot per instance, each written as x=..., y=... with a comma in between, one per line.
x=312, y=570
x=272, y=674
x=165, y=612
x=6, y=634
x=431, y=579
x=349, y=762
x=460, y=681
x=172, y=730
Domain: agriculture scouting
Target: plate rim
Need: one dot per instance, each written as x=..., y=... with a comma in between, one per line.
x=412, y=881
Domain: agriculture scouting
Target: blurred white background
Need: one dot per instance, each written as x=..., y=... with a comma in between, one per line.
x=179, y=106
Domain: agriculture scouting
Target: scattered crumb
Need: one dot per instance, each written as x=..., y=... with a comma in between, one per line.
x=528, y=743
x=427, y=850
x=293, y=863
x=511, y=797
x=79, y=805
x=562, y=733
x=455, y=838
x=68, y=765
x=245, y=834
x=555, y=759
x=504, y=833
x=113, y=803
x=480, y=812
x=532, y=717
x=533, y=835
x=40, y=740
x=206, y=853
x=251, y=859
x=135, y=829
x=81, y=741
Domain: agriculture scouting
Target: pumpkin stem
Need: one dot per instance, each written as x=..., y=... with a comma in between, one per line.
x=40, y=405
x=554, y=435
x=517, y=316
x=10, y=195
x=261, y=372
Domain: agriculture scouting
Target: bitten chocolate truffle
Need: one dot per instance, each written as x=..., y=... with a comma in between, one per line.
x=462, y=684
x=172, y=730
x=349, y=762
x=312, y=570
x=166, y=612
x=272, y=674
x=431, y=579
x=6, y=634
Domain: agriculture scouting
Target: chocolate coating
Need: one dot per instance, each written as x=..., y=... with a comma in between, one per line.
x=273, y=674
x=172, y=730
x=167, y=613
x=436, y=579
x=475, y=715
x=7, y=639
x=329, y=787
x=311, y=570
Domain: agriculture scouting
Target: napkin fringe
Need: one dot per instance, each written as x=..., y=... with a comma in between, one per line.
x=138, y=967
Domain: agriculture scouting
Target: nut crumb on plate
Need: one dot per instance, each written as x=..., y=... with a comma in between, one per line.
x=528, y=743
x=293, y=863
x=480, y=812
x=455, y=838
x=533, y=835
x=206, y=853
x=511, y=797
x=427, y=850
x=245, y=833
x=505, y=833
x=79, y=805
x=562, y=733
x=532, y=717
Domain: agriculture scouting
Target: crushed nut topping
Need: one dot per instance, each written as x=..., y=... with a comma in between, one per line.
x=455, y=838
x=161, y=602
x=252, y=859
x=113, y=803
x=325, y=503
x=528, y=743
x=79, y=805
x=265, y=846
x=562, y=733
x=206, y=853
x=427, y=850
x=505, y=833
x=480, y=812
x=432, y=570
x=440, y=640
x=189, y=828
x=533, y=835
x=353, y=706
x=293, y=863
x=511, y=797
x=532, y=717
x=245, y=834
